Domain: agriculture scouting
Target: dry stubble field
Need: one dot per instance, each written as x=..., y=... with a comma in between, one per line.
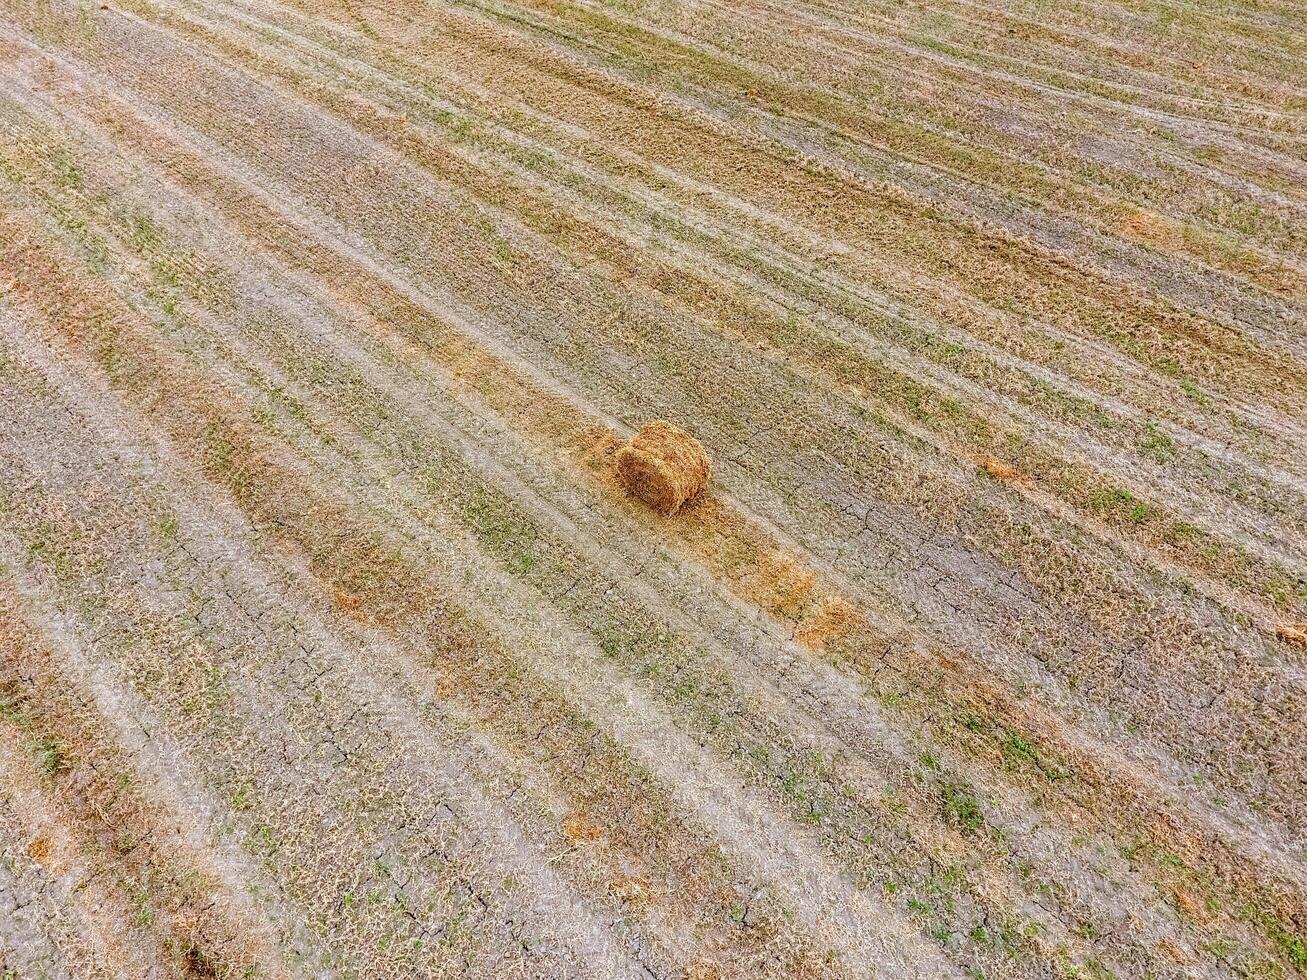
x=330, y=646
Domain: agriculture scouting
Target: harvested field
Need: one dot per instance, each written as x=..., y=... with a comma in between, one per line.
x=337, y=641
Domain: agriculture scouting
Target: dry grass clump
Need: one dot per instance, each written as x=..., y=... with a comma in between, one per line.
x=1143, y=226
x=39, y=849
x=1293, y=632
x=664, y=466
x=999, y=470
x=351, y=605
x=579, y=827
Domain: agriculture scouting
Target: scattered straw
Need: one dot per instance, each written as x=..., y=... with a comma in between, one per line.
x=1190, y=905
x=630, y=889
x=788, y=583
x=664, y=466
x=828, y=620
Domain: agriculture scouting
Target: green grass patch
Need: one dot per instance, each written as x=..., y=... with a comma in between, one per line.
x=961, y=808
x=51, y=756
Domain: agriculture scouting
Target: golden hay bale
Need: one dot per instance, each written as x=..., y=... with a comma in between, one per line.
x=664, y=466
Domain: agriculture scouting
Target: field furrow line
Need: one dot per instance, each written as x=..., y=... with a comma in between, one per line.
x=804, y=148
x=752, y=86
x=1154, y=231
x=1058, y=80
x=383, y=129
x=823, y=60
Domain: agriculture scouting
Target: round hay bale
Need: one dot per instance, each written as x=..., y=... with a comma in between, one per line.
x=664, y=466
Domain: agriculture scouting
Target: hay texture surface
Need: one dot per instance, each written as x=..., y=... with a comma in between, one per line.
x=664, y=466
